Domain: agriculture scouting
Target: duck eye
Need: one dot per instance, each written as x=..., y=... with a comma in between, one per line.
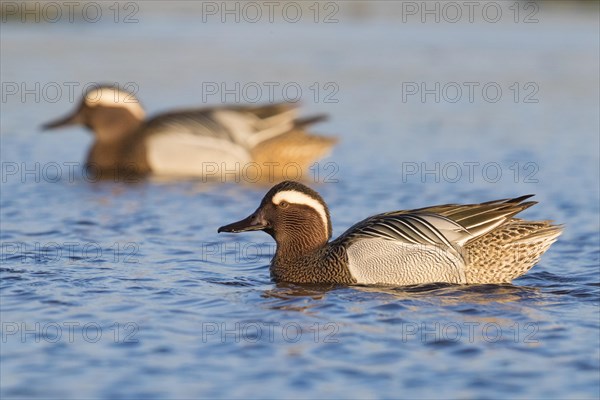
x=283, y=204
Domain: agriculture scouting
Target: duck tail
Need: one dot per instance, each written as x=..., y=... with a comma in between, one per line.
x=510, y=250
x=300, y=123
x=295, y=147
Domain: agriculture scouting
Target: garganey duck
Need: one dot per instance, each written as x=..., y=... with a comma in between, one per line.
x=219, y=143
x=461, y=244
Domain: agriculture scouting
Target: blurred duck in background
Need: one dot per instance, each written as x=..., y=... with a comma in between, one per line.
x=225, y=143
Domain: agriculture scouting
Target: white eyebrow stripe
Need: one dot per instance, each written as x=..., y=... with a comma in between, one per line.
x=295, y=197
x=110, y=97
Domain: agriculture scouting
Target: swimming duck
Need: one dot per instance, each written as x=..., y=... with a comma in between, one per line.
x=461, y=244
x=219, y=143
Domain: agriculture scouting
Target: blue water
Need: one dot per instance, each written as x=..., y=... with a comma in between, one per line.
x=114, y=290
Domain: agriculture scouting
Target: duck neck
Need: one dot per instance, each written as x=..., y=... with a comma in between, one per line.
x=116, y=131
x=298, y=243
x=104, y=157
x=121, y=158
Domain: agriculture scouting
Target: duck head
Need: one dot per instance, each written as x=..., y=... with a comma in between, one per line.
x=293, y=214
x=109, y=112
